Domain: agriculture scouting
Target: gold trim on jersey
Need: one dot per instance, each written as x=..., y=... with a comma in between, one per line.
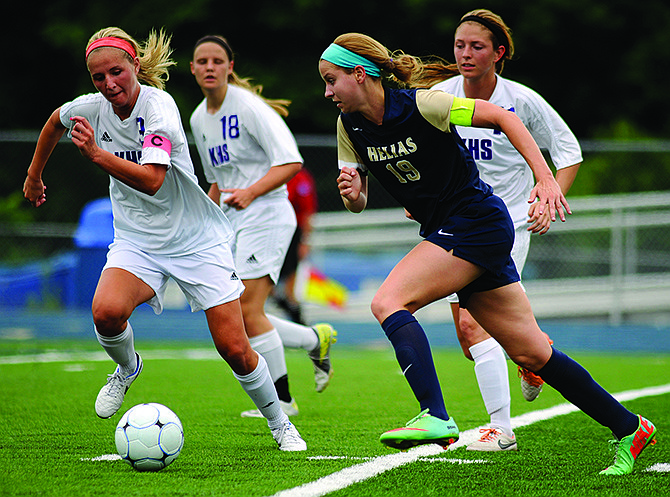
x=443, y=109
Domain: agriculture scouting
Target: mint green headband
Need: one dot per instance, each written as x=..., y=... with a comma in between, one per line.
x=340, y=56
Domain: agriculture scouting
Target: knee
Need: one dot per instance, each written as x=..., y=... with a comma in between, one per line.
x=533, y=354
x=469, y=333
x=382, y=306
x=379, y=308
x=241, y=359
x=233, y=354
x=529, y=360
x=109, y=319
x=233, y=346
x=465, y=347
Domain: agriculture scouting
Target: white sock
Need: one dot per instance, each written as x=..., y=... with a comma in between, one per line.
x=270, y=346
x=493, y=380
x=294, y=335
x=121, y=349
x=259, y=387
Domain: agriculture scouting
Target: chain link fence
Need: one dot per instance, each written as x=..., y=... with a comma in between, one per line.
x=611, y=258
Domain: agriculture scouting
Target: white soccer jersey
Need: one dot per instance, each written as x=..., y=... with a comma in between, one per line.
x=241, y=142
x=499, y=163
x=180, y=218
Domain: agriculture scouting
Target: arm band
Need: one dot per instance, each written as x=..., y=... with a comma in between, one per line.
x=157, y=141
x=462, y=111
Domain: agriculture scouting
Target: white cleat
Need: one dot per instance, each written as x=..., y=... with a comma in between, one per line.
x=531, y=384
x=493, y=440
x=111, y=395
x=288, y=438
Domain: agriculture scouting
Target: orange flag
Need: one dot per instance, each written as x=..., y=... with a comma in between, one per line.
x=320, y=289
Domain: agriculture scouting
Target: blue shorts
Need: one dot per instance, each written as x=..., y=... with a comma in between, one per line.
x=482, y=234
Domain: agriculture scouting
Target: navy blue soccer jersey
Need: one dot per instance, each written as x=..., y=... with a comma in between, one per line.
x=415, y=154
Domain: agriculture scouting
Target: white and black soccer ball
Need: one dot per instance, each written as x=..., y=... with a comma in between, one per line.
x=149, y=437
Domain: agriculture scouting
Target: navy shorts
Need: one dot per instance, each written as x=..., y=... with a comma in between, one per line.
x=482, y=234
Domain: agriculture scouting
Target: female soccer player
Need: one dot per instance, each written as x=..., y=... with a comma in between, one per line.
x=248, y=154
x=482, y=44
x=164, y=224
x=406, y=139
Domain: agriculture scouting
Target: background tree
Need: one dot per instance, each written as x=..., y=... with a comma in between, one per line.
x=600, y=63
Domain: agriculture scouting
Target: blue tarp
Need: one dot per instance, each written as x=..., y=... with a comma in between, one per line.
x=64, y=280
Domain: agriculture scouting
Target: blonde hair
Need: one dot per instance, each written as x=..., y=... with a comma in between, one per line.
x=400, y=67
x=154, y=54
x=439, y=70
x=279, y=105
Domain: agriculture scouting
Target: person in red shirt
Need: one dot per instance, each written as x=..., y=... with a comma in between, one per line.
x=303, y=197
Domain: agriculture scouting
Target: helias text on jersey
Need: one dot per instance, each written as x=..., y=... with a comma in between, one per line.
x=392, y=151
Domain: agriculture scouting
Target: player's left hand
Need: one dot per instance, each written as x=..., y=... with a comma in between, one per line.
x=238, y=198
x=550, y=198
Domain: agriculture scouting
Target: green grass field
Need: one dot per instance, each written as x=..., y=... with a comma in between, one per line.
x=50, y=436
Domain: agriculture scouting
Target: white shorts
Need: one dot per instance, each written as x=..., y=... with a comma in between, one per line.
x=263, y=233
x=519, y=255
x=206, y=278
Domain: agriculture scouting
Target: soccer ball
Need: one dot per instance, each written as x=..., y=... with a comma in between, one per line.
x=149, y=437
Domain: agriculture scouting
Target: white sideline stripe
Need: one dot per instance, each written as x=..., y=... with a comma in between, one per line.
x=661, y=467
x=101, y=356
x=353, y=474
x=422, y=459
x=105, y=457
x=363, y=471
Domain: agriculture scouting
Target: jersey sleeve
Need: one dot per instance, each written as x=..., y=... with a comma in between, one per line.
x=443, y=109
x=346, y=154
x=549, y=130
x=87, y=106
x=162, y=132
x=272, y=134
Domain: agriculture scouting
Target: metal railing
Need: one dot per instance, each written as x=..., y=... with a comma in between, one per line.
x=610, y=258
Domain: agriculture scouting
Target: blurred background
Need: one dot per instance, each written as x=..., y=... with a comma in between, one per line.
x=601, y=64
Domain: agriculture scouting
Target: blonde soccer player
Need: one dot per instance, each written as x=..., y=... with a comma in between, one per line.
x=165, y=226
x=406, y=139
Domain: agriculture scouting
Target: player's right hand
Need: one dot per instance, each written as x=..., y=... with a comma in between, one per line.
x=349, y=183
x=34, y=191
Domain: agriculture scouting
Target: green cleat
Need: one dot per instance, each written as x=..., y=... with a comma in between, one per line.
x=424, y=429
x=629, y=448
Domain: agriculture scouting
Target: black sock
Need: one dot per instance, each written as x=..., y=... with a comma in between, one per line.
x=575, y=383
x=281, y=385
x=413, y=353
